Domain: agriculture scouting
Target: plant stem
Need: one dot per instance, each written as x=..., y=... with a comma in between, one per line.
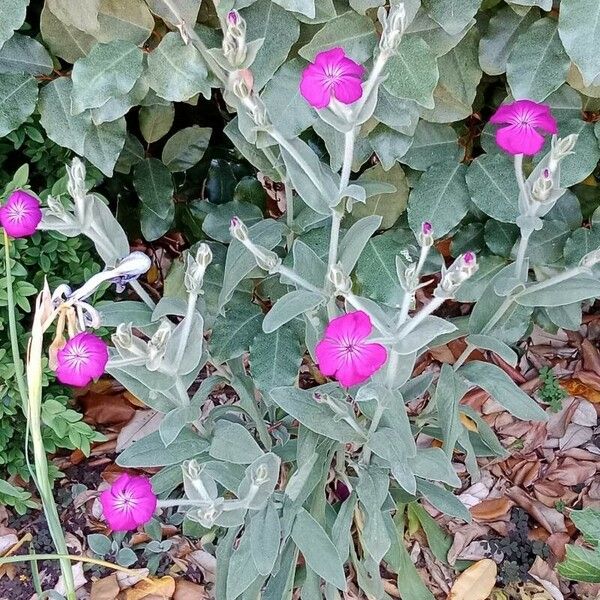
x=289, y=212
x=187, y=327
x=518, y=163
x=421, y=316
x=519, y=263
x=12, y=326
x=564, y=276
x=142, y=293
x=366, y=453
x=34, y=422
x=293, y=276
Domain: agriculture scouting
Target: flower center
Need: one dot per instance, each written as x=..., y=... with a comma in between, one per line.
x=77, y=357
x=332, y=74
x=17, y=211
x=125, y=501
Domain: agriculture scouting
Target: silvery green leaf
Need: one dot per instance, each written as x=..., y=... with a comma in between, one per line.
x=334, y=143
x=175, y=11
x=389, y=145
x=340, y=532
x=318, y=550
x=290, y=306
x=581, y=564
x=131, y=21
x=424, y=334
x=440, y=197
x=449, y=392
x=263, y=18
x=413, y=72
x=317, y=417
x=65, y=41
x=500, y=238
x=388, y=203
x=84, y=16
x=356, y=194
x=568, y=210
x=300, y=477
x=156, y=121
x=289, y=112
x=275, y=358
x=265, y=531
x=538, y=63
x=261, y=477
x=432, y=143
x=566, y=103
x=452, y=15
x=217, y=221
x=154, y=185
x=493, y=187
x=249, y=151
x=176, y=71
x=443, y=500
x=234, y=332
x=18, y=97
x=12, y=16
x=55, y=115
x=118, y=107
x=355, y=240
x=151, y=452
x=503, y=389
x=131, y=155
x=233, y=443
x=242, y=572
x=434, y=465
x=543, y=4
x=570, y=291
x=313, y=180
x=581, y=242
x=416, y=387
x=239, y=262
x=172, y=424
x=440, y=42
x=186, y=148
x=351, y=31
x=372, y=490
x=103, y=144
x=280, y=585
x=99, y=544
x=494, y=345
x=503, y=31
x=579, y=32
x=192, y=354
x=308, y=264
x=546, y=245
x=23, y=54
x=401, y=115
x=126, y=311
x=386, y=443
x=109, y=70
x=304, y=7
x=460, y=74
x=566, y=317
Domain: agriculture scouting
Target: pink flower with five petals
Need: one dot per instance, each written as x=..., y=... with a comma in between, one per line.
x=332, y=75
x=345, y=353
x=81, y=359
x=128, y=503
x=21, y=214
x=524, y=119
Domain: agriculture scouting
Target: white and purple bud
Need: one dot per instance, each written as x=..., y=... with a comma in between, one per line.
x=341, y=282
x=394, y=25
x=196, y=268
x=157, y=346
x=540, y=192
x=426, y=235
x=458, y=272
x=238, y=230
x=561, y=148
x=234, y=45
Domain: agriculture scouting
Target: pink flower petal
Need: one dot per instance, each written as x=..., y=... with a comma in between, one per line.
x=82, y=359
x=504, y=114
x=348, y=90
x=370, y=358
x=350, y=67
x=516, y=139
x=314, y=91
x=328, y=356
x=348, y=376
x=128, y=503
x=329, y=57
x=351, y=326
x=545, y=121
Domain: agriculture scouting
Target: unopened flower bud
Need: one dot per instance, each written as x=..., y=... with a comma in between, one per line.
x=238, y=230
x=394, y=24
x=127, y=344
x=196, y=268
x=259, y=113
x=341, y=282
x=542, y=187
x=76, y=183
x=239, y=85
x=157, y=346
x=234, y=40
x=458, y=272
x=265, y=259
x=561, y=148
x=426, y=235
x=260, y=475
x=206, y=513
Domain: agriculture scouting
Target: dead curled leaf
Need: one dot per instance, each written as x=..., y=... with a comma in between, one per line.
x=492, y=509
x=163, y=587
x=476, y=582
x=575, y=387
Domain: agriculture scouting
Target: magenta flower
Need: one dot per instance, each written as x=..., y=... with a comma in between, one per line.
x=128, y=503
x=524, y=119
x=81, y=359
x=21, y=214
x=344, y=352
x=332, y=74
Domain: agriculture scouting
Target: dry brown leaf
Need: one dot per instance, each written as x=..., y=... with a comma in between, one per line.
x=164, y=587
x=546, y=577
x=106, y=409
x=492, y=509
x=143, y=423
x=129, y=579
x=106, y=588
x=186, y=590
x=577, y=388
x=476, y=582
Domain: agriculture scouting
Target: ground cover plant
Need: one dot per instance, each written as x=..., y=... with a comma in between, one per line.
x=376, y=182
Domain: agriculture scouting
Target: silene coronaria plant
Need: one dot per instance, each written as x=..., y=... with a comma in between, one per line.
x=324, y=466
